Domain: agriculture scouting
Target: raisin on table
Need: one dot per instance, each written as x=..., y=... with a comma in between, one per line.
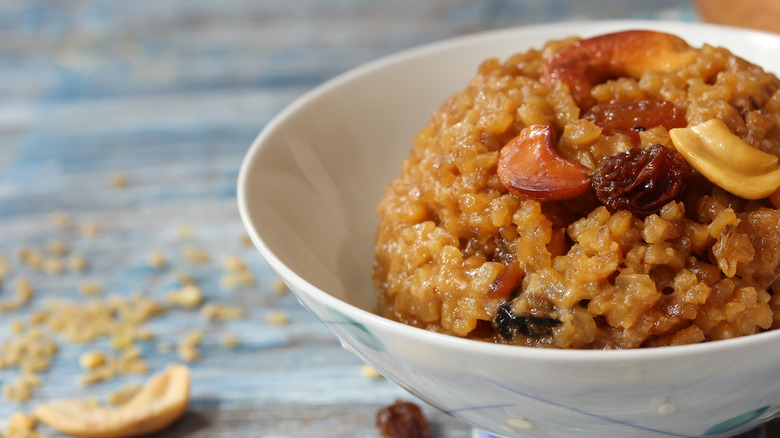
x=402, y=419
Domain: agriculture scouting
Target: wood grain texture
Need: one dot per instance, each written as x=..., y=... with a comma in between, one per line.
x=170, y=95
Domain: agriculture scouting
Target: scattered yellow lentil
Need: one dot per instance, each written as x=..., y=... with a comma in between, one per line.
x=16, y=393
x=99, y=374
x=16, y=326
x=189, y=296
x=30, y=257
x=123, y=337
x=92, y=400
x=196, y=255
x=29, y=353
x=57, y=247
x=90, y=288
x=184, y=278
x=22, y=421
x=118, y=180
x=61, y=219
x=116, y=317
x=164, y=347
x=186, y=232
x=231, y=340
x=235, y=280
x=123, y=394
x=131, y=361
x=21, y=390
x=21, y=297
x=21, y=425
x=237, y=274
x=281, y=288
x=188, y=353
x=5, y=267
x=92, y=359
x=36, y=364
x=90, y=229
x=194, y=337
x=277, y=317
x=77, y=263
x=368, y=371
x=188, y=350
x=234, y=263
x=24, y=290
x=53, y=266
x=38, y=317
x=31, y=379
x=216, y=311
x=156, y=260
x=144, y=334
x=32, y=351
x=103, y=367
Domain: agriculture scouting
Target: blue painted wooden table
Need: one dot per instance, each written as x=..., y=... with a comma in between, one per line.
x=122, y=128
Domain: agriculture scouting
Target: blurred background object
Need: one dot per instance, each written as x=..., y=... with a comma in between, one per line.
x=754, y=14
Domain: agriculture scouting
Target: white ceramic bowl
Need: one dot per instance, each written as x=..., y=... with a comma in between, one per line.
x=308, y=191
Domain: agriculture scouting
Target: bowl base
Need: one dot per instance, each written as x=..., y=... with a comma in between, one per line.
x=756, y=433
x=476, y=433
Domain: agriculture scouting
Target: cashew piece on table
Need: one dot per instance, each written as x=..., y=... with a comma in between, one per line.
x=726, y=160
x=162, y=401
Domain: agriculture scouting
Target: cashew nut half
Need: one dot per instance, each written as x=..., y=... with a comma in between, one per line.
x=161, y=402
x=726, y=160
x=530, y=167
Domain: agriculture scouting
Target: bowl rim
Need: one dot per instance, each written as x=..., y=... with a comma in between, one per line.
x=734, y=345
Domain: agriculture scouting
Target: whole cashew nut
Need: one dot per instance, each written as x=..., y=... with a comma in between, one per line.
x=726, y=160
x=630, y=53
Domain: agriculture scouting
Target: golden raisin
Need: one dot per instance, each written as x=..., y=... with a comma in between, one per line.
x=630, y=118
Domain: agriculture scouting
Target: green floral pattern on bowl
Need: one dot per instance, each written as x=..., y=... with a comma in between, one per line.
x=736, y=422
x=356, y=330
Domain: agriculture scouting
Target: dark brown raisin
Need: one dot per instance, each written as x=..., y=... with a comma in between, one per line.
x=402, y=419
x=641, y=181
x=632, y=117
x=508, y=324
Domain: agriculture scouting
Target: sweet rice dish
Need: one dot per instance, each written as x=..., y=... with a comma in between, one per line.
x=618, y=191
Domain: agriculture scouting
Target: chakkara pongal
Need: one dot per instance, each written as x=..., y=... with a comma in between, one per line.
x=619, y=191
